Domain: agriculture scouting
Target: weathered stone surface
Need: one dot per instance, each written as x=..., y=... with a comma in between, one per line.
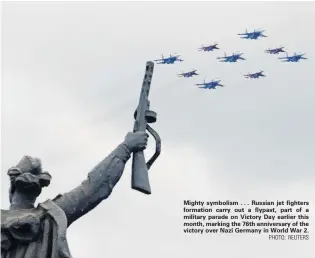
x=40, y=232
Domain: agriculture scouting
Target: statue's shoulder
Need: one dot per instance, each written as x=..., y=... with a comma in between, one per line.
x=9, y=217
x=55, y=211
x=50, y=204
x=48, y=207
x=4, y=212
x=4, y=217
x=20, y=225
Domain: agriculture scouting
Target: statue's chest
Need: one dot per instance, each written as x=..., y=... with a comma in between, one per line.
x=20, y=227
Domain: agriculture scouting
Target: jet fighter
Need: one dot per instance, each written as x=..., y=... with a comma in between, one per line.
x=188, y=74
x=232, y=58
x=252, y=35
x=210, y=85
x=209, y=47
x=169, y=60
x=275, y=51
x=295, y=58
x=255, y=75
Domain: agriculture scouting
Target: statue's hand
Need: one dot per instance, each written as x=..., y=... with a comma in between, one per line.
x=136, y=141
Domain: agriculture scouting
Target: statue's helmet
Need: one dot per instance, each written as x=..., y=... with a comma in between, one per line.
x=27, y=176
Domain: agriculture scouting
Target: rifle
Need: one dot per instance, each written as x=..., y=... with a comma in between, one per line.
x=143, y=116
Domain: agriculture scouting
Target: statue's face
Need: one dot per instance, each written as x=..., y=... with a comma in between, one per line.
x=28, y=182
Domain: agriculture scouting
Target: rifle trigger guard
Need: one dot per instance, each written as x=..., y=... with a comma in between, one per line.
x=157, y=146
x=151, y=118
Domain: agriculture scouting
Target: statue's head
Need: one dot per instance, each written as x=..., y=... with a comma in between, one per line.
x=27, y=177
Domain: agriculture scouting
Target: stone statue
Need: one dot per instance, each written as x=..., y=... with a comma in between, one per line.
x=40, y=232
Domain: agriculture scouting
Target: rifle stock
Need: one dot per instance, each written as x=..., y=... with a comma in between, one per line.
x=143, y=116
x=140, y=175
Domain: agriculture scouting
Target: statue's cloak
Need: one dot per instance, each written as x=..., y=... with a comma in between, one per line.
x=35, y=233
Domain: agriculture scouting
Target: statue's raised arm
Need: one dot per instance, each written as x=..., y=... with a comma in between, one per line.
x=35, y=232
x=101, y=180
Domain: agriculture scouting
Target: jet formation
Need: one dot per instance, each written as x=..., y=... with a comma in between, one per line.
x=233, y=58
